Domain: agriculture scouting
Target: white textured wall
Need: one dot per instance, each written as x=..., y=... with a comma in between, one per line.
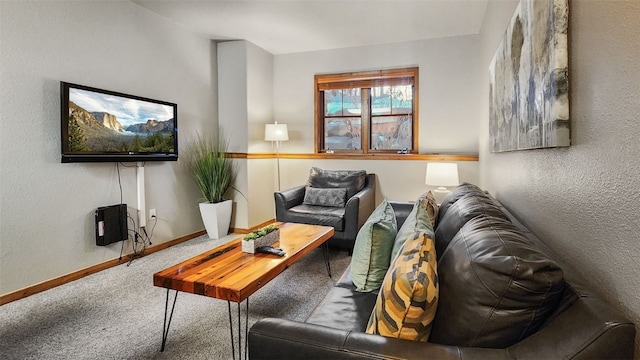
x=232, y=116
x=246, y=104
x=449, y=103
x=233, y=93
x=448, y=116
x=260, y=112
x=259, y=95
x=46, y=208
x=584, y=200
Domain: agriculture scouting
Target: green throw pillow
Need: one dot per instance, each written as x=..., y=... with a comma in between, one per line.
x=418, y=219
x=372, y=250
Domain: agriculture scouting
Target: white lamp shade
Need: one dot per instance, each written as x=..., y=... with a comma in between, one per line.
x=276, y=132
x=442, y=174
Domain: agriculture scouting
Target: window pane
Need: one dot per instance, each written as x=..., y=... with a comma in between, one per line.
x=381, y=100
x=391, y=132
x=342, y=102
x=402, y=99
x=333, y=102
x=342, y=134
x=351, y=102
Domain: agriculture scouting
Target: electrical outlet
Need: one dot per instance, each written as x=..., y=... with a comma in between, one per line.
x=152, y=213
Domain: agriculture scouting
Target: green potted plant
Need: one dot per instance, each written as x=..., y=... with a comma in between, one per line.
x=214, y=173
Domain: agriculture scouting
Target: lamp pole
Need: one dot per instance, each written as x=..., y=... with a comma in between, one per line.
x=278, y=161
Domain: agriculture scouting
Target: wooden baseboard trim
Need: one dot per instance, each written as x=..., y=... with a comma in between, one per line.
x=49, y=284
x=246, y=231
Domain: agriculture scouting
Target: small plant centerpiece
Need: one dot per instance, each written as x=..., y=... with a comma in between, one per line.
x=260, y=237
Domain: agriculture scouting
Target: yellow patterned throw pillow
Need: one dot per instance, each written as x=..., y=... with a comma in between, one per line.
x=408, y=298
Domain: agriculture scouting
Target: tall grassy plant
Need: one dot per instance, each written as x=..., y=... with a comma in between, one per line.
x=213, y=170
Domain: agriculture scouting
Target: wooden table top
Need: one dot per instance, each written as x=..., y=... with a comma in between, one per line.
x=227, y=273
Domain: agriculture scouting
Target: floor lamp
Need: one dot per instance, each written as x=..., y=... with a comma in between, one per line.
x=276, y=132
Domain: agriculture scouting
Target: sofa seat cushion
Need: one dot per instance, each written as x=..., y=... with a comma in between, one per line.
x=496, y=287
x=346, y=281
x=352, y=180
x=407, y=301
x=458, y=214
x=318, y=215
x=372, y=249
x=344, y=308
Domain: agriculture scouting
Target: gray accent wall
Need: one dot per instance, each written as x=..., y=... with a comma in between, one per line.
x=47, y=208
x=583, y=200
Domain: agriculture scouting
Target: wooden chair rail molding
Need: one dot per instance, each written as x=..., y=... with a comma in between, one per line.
x=378, y=156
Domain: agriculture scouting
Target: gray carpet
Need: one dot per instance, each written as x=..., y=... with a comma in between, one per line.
x=118, y=313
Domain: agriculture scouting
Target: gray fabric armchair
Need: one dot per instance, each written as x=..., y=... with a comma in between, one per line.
x=343, y=199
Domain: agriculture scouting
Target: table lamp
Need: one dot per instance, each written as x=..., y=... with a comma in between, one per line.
x=442, y=175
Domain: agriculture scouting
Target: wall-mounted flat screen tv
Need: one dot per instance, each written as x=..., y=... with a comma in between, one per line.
x=100, y=126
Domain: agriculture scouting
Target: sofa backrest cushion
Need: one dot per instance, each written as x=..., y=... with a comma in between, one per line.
x=455, y=194
x=496, y=287
x=463, y=210
x=333, y=197
x=352, y=180
x=372, y=249
x=418, y=219
x=407, y=302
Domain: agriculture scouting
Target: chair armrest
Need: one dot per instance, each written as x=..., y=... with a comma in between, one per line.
x=357, y=210
x=287, y=199
x=285, y=339
x=359, y=207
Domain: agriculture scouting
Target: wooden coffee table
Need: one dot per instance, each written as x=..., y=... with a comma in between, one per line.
x=227, y=273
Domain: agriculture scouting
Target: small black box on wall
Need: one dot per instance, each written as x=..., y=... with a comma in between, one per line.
x=111, y=224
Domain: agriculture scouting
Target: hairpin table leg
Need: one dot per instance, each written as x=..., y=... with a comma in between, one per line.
x=325, y=254
x=246, y=330
x=165, y=325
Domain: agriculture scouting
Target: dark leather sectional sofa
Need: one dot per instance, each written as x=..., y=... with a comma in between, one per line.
x=491, y=270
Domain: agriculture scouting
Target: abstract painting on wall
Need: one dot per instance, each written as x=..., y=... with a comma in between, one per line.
x=529, y=86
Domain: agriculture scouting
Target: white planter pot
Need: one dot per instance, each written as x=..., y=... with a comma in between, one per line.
x=216, y=218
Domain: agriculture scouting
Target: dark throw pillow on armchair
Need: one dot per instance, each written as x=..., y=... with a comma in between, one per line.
x=325, y=197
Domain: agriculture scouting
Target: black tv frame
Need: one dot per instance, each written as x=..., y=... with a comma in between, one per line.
x=97, y=156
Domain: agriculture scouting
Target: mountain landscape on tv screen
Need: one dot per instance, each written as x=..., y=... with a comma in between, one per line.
x=102, y=132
